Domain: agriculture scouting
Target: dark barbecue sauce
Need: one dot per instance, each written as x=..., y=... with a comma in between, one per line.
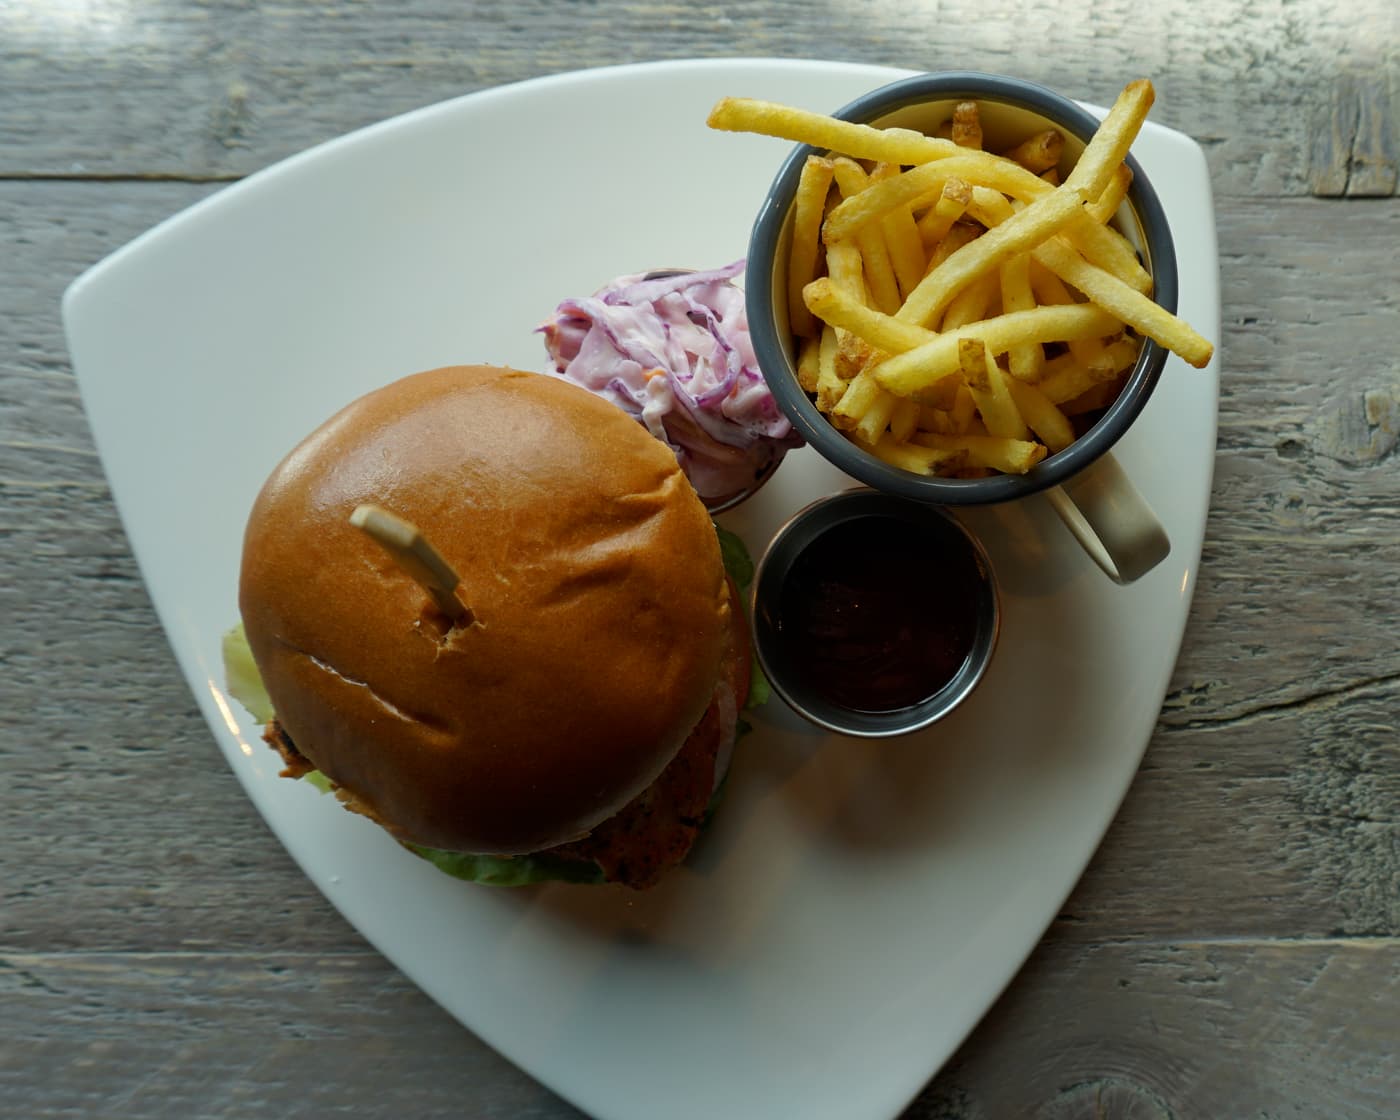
x=878, y=614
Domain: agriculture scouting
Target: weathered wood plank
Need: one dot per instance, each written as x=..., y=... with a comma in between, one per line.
x=1191, y=1031
x=224, y=88
x=1186, y=1031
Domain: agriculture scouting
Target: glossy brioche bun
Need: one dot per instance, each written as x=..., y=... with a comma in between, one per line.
x=591, y=565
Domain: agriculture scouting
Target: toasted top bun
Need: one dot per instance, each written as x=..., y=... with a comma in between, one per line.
x=590, y=564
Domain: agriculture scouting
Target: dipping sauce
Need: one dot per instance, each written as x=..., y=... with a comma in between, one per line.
x=879, y=613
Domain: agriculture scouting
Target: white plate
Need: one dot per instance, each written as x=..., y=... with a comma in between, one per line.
x=858, y=906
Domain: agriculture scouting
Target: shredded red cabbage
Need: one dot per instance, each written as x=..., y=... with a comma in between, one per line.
x=673, y=350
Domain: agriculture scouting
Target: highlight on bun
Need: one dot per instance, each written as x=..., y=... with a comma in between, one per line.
x=603, y=624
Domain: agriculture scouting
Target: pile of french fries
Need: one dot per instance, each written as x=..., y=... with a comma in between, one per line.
x=959, y=312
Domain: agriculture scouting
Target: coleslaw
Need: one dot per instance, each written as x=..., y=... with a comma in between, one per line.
x=672, y=349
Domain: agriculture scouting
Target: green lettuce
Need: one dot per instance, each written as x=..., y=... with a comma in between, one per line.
x=245, y=683
x=739, y=564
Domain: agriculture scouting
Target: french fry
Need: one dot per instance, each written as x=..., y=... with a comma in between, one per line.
x=860, y=141
x=809, y=362
x=1039, y=220
x=854, y=354
x=862, y=393
x=1100, y=396
x=877, y=417
x=1111, y=141
x=809, y=203
x=938, y=220
x=989, y=207
x=830, y=387
x=1010, y=456
x=1026, y=359
x=963, y=413
x=852, y=180
x=1050, y=289
x=843, y=265
x=1102, y=246
x=884, y=332
x=904, y=420
x=902, y=238
x=957, y=237
x=1041, y=152
x=1106, y=205
x=987, y=384
x=913, y=457
x=967, y=125
x=907, y=373
x=972, y=303
x=927, y=181
x=1128, y=304
x=1109, y=250
x=1066, y=377
x=1050, y=425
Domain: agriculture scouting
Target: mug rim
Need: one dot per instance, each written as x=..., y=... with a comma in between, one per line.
x=772, y=349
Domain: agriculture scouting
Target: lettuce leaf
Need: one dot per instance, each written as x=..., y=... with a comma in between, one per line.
x=739, y=564
x=241, y=674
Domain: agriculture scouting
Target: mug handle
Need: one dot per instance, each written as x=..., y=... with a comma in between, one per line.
x=1110, y=519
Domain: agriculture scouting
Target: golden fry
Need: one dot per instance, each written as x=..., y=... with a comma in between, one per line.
x=861, y=395
x=972, y=304
x=843, y=265
x=853, y=354
x=1026, y=359
x=861, y=141
x=967, y=125
x=809, y=204
x=830, y=387
x=957, y=237
x=1022, y=231
x=1049, y=424
x=877, y=417
x=1128, y=304
x=809, y=363
x=1105, y=247
x=859, y=210
x=1066, y=377
x=1041, y=152
x=884, y=332
x=963, y=413
x=1099, y=396
x=1110, y=143
x=938, y=220
x=1106, y=205
x=987, y=384
x=906, y=248
x=1010, y=456
x=907, y=373
x=904, y=420
x=914, y=457
x=852, y=181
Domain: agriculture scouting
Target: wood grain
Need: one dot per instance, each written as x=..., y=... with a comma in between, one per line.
x=1233, y=950
x=1179, y=1030
x=219, y=89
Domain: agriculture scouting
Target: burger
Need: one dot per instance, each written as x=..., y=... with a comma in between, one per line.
x=576, y=720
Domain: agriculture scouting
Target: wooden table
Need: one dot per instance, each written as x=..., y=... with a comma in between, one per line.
x=1233, y=950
